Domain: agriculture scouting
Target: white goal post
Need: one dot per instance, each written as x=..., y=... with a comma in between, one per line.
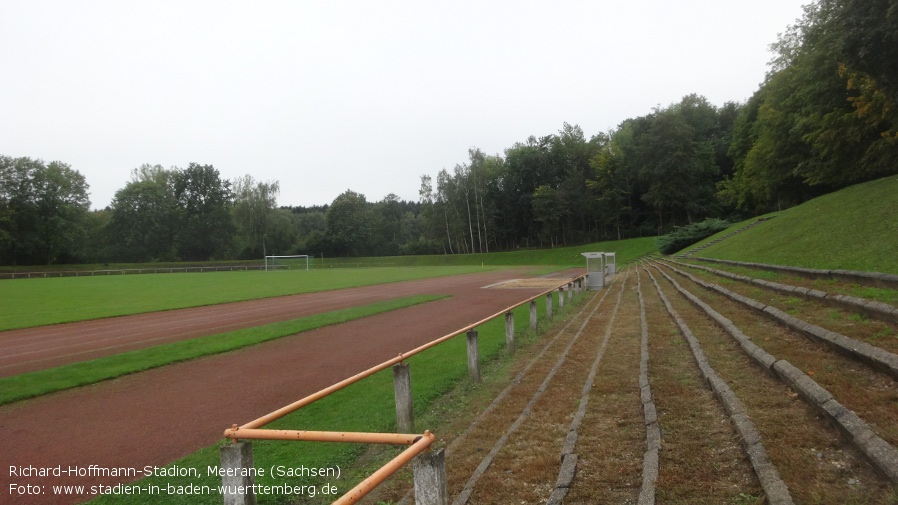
x=292, y=262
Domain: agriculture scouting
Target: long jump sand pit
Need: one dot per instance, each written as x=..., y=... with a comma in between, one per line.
x=155, y=417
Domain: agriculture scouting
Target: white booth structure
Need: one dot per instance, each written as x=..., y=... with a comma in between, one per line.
x=610, y=263
x=595, y=269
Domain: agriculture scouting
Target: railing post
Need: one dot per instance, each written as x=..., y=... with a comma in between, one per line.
x=509, y=331
x=560, y=297
x=570, y=291
x=402, y=388
x=237, y=488
x=430, y=478
x=549, y=306
x=533, y=314
x=473, y=356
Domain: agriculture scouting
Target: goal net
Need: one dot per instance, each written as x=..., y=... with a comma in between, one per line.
x=294, y=262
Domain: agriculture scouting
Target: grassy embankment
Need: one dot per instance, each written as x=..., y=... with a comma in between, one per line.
x=852, y=229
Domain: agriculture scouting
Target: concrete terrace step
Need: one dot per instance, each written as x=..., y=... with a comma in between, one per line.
x=707, y=416
x=881, y=454
x=862, y=351
x=871, y=308
x=874, y=279
x=775, y=489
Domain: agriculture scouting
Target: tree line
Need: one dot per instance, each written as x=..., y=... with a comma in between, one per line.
x=825, y=117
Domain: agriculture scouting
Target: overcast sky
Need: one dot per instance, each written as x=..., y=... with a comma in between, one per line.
x=326, y=96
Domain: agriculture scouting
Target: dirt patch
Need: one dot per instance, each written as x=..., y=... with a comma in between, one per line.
x=526, y=284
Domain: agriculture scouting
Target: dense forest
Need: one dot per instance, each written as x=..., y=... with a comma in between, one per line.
x=825, y=117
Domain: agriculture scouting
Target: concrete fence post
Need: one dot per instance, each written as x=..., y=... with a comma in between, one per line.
x=570, y=291
x=237, y=484
x=402, y=387
x=561, y=298
x=533, y=314
x=549, y=306
x=429, y=468
x=473, y=356
x=509, y=331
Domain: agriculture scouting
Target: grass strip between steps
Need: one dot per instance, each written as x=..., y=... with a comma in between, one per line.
x=29, y=385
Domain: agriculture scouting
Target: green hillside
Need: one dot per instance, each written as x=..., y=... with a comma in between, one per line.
x=854, y=229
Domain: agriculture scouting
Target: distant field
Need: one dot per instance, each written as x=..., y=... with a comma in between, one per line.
x=36, y=302
x=854, y=229
x=558, y=257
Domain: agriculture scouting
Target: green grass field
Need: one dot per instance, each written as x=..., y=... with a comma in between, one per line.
x=37, y=302
x=853, y=229
x=559, y=257
x=28, y=385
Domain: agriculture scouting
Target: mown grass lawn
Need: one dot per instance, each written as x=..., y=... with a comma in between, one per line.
x=37, y=302
x=852, y=229
x=82, y=373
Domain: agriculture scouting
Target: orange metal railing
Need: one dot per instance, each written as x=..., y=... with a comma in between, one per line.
x=417, y=443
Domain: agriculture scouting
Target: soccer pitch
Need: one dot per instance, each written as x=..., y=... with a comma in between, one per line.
x=38, y=302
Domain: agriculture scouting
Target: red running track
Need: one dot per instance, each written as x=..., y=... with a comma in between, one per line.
x=126, y=422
